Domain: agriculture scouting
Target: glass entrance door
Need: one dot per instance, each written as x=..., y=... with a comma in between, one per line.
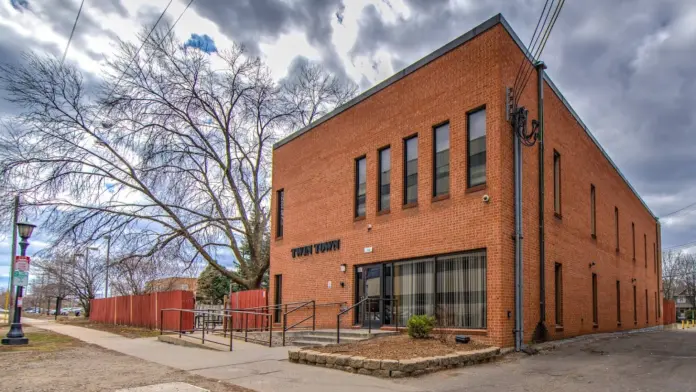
x=373, y=291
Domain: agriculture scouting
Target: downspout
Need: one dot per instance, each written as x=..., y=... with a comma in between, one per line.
x=541, y=333
x=519, y=318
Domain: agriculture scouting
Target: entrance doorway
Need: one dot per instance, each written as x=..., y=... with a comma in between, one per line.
x=374, y=282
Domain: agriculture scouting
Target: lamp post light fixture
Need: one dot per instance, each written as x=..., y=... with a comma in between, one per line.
x=16, y=336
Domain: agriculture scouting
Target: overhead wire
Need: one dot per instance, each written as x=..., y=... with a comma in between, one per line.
x=532, y=43
x=65, y=52
x=684, y=245
x=678, y=211
x=540, y=49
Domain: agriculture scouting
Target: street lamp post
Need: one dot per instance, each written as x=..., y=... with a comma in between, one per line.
x=106, y=286
x=16, y=336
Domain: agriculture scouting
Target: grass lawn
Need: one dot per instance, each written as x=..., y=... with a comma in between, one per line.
x=40, y=341
x=123, y=330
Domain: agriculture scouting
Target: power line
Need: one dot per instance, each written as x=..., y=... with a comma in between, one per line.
x=133, y=58
x=684, y=245
x=65, y=53
x=678, y=211
x=542, y=44
x=532, y=43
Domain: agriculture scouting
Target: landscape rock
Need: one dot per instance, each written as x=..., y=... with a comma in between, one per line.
x=390, y=364
x=372, y=364
x=356, y=362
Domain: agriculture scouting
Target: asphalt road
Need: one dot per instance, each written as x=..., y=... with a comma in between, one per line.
x=655, y=361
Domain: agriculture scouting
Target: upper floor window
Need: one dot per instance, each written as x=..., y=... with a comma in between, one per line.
x=616, y=226
x=280, y=206
x=633, y=234
x=593, y=212
x=384, y=186
x=645, y=249
x=556, y=183
x=441, y=167
x=476, y=146
x=360, y=186
x=411, y=170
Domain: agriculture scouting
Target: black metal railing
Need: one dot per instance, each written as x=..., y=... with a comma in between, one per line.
x=203, y=319
x=394, y=313
x=312, y=316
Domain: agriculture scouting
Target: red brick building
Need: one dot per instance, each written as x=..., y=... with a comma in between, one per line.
x=407, y=193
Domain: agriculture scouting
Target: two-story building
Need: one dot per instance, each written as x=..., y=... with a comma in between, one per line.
x=406, y=195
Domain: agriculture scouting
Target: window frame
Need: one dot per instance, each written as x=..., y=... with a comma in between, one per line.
x=404, y=177
x=482, y=185
x=647, y=308
x=356, y=184
x=645, y=249
x=280, y=212
x=633, y=234
x=380, y=207
x=557, y=193
x=435, y=195
x=618, y=302
x=616, y=228
x=593, y=211
x=635, y=305
x=595, y=300
x=558, y=282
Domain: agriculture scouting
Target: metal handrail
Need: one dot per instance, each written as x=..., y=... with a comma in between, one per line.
x=225, y=314
x=369, y=325
x=312, y=316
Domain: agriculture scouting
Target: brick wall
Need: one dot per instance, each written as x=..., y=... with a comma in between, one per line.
x=316, y=171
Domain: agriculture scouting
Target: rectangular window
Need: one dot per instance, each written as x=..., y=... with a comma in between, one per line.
x=384, y=179
x=476, y=147
x=280, y=207
x=593, y=212
x=453, y=288
x=411, y=170
x=645, y=249
x=635, y=306
x=657, y=308
x=559, y=294
x=616, y=226
x=360, y=186
x=441, y=166
x=655, y=257
x=618, y=302
x=633, y=234
x=647, y=313
x=556, y=183
x=595, y=310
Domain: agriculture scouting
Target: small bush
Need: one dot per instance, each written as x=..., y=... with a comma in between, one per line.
x=419, y=327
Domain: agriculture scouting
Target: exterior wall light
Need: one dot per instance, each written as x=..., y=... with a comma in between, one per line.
x=343, y=268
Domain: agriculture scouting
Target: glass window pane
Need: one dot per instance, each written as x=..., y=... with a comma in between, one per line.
x=557, y=183
x=441, y=166
x=361, y=187
x=411, y=171
x=414, y=288
x=384, y=178
x=476, y=123
x=461, y=286
x=281, y=208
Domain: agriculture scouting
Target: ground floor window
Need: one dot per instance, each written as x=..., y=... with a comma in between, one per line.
x=450, y=287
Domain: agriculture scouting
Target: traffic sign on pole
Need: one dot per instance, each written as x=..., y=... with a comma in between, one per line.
x=21, y=271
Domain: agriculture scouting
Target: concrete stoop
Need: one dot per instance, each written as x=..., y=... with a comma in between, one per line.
x=323, y=338
x=389, y=368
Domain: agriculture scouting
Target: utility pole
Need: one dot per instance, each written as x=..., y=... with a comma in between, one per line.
x=13, y=253
x=108, y=246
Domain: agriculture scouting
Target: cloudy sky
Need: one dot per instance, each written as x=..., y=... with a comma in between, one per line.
x=627, y=66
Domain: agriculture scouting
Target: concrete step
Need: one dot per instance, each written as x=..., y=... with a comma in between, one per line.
x=346, y=333
x=306, y=343
x=330, y=339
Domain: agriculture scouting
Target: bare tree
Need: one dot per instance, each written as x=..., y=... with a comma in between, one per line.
x=671, y=274
x=172, y=155
x=311, y=92
x=75, y=274
x=687, y=272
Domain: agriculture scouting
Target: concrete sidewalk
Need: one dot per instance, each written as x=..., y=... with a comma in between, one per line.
x=249, y=365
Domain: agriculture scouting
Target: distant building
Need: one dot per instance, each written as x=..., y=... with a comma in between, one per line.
x=684, y=304
x=173, y=283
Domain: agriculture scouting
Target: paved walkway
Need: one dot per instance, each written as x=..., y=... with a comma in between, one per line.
x=249, y=365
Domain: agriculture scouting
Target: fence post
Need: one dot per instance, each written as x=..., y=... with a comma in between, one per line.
x=246, y=327
x=369, y=318
x=314, y=315
x=338, y=328
x=397, y=315
x=180, y=312
x=285, y=323
x=205, y=315
x=270, y=330
x=229, y=321
x=161, y=326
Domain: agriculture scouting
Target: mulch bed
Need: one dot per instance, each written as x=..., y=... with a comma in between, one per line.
x=401, y=347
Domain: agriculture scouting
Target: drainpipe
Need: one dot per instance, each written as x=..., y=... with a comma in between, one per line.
x=541, y=333
x=519, y=319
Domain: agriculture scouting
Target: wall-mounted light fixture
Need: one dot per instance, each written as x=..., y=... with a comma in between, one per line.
x=343, y=268
x=634, y=280
x=592, y=264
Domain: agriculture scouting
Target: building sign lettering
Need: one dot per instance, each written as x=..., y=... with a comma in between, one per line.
x=321, y=247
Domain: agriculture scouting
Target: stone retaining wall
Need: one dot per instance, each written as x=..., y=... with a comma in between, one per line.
x=389, y=367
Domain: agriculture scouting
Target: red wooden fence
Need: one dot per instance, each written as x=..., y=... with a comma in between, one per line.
x=669, y=312
x=144, y=310
x=246, y=300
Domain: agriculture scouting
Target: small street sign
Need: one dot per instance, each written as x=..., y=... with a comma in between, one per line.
x=22, y=263
x=21, y=278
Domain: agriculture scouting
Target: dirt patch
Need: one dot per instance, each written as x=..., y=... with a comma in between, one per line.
x=123, y=330
x=401, y=347
x=87, y=368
